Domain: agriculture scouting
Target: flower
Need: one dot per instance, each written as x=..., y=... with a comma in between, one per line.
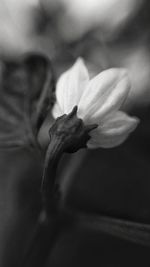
x=99, y=101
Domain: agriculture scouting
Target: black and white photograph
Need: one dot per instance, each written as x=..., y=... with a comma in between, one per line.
x=74, y=133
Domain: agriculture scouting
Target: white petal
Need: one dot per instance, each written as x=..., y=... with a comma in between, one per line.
x=70, y=86
x=113, y=131
x=57, y=111
x=104, y=94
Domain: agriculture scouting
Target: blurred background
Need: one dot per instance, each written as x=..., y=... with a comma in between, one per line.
x=106, y=33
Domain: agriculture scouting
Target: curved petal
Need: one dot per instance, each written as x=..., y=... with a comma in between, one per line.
x=70, y=86
x=104, y=94
x=113, y=131
x=57, y=111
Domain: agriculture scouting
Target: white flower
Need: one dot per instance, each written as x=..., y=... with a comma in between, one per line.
x=99, y=101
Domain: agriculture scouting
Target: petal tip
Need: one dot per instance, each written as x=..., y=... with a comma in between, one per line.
x=135, y=123
x=80, y=63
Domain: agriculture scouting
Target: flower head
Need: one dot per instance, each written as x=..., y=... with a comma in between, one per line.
x=99, y=101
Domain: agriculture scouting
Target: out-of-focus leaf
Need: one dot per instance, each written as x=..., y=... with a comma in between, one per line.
x=138, y=233
x=26, y=89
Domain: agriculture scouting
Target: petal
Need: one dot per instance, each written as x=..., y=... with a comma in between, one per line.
x=113, y=131
x=70, y=86
x=104, y=94
x=57, y=111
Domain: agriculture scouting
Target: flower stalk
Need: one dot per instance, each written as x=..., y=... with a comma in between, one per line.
x=67, y=134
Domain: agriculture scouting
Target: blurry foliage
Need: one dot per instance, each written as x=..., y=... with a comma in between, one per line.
x=22, y=109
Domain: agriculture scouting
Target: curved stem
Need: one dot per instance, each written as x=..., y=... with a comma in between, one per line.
x=47, y=228
x=67, y=134
x=48, y=186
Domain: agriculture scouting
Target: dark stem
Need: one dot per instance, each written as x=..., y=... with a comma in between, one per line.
x=49, y=221
x=67, y=134
x=48, y=187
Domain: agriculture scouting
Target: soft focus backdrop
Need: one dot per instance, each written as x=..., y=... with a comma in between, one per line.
x=114, y=182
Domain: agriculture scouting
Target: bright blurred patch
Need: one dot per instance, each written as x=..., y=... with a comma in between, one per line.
x=81, y=16
x=16, y=21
